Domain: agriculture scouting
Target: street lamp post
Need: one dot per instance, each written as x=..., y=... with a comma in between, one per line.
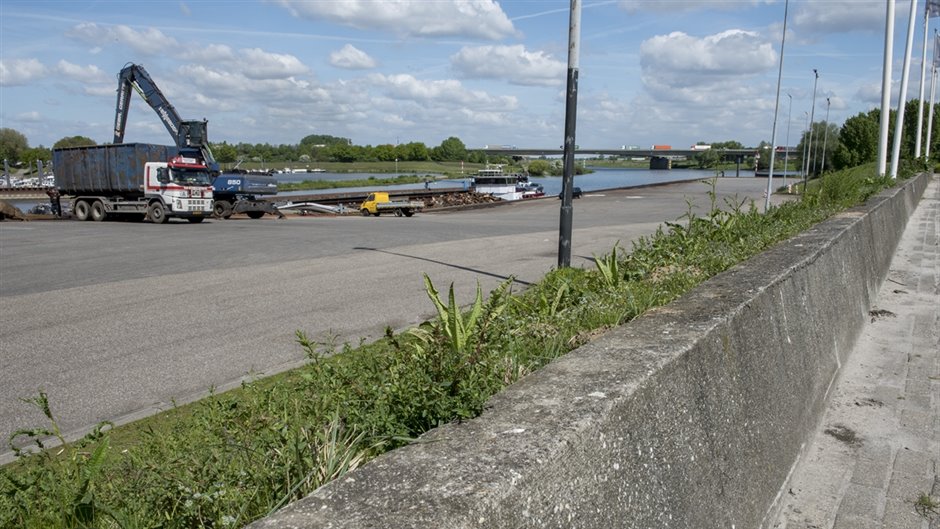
x=786, y=152
x=773, y=134
x=812, y=128
x=822, y=167
x=805, y=147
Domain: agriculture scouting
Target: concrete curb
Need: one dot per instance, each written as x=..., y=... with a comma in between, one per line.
x=691, y=416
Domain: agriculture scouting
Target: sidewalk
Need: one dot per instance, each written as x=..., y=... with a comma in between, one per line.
x=877, y=450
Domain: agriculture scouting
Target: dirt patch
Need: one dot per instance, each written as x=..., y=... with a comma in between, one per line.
x=877, y=314
x=844, y=434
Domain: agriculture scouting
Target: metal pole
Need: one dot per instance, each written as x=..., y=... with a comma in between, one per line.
x=933, y=79
x=571, y=112
x=773, y=135
x=886, y=89
x=6, y=172
x=920, y=97
x=902, y=97
x=786, y=152
x=812, y=116
x=805, y=147
x=822, y=167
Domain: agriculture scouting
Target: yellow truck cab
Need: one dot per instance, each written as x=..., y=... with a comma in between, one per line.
x=377, y=203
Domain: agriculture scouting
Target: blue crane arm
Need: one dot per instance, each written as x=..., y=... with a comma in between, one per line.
x=189, y=135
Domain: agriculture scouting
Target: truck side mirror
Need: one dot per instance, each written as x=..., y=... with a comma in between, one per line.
x=162, y=175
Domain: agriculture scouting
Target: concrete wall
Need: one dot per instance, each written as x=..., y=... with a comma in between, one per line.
x=689, y=417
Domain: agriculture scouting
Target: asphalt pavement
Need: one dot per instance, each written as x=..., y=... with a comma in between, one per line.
x=118, y=320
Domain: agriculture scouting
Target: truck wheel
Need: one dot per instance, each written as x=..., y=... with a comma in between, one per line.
x=157, y=213
x=82, y=210
x=195, y=220
x=365, y=212
x=222, y=209
x=98, y=213
x=377, y=213
x=398, y=212
x=255, y=214
x=409, y=212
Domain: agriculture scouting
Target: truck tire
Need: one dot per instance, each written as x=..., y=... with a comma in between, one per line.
x=98, y=213
x=157, y=213
x=365, y=212
x=82, y=210
x=195, y=220
x=222, y=209
x=398, y=212
x=254, y=214
x=377, y=213
x=409, y=212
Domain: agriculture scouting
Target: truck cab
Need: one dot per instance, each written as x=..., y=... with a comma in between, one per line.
x=180, y=188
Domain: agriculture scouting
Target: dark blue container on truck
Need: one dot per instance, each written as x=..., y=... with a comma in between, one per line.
x=106, y=169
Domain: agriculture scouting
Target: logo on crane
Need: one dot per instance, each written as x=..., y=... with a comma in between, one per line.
x=165, y=116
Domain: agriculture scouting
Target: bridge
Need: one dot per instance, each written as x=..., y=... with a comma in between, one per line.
x=659, y=158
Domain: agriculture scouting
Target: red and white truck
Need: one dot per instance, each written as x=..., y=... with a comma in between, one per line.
x=134, y=180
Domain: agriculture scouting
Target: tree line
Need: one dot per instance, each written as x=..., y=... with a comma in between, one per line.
x=824, y=147
x=14, y=147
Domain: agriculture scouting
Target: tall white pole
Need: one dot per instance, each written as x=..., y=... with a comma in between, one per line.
x=920, y=97
x=822, y=167
x=773, y=135
x=933, y=80
x=786, y=152
x=805, y=149
x=902, y=97
x=812, y=116
x=886, y=89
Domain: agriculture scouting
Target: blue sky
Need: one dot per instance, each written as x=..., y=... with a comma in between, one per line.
x=651, y=72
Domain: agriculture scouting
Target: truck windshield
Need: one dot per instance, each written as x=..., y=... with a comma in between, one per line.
x=190, y=176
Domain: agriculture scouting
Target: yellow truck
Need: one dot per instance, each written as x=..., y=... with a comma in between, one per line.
x=378, y=203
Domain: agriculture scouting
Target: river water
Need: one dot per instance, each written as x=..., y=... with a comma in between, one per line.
x=601, y=178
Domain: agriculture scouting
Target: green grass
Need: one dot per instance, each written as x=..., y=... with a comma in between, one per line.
x=235, y=457
x=338, y=184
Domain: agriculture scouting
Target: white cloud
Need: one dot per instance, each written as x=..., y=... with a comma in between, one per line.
x=688, y=5
x=438, y=18
x=32, y=117
x=729, y=52
x=213, y=53
x=351, y=58
x=14, y=72
x=510, y=63
x=150, y=41
x=259, y=64
x=90, y=74
x=408, y=87
x=839, y=16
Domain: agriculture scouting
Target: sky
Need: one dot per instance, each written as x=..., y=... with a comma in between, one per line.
x=673, y=72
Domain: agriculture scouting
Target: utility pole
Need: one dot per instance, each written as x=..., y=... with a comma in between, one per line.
x=773, y=135
x=886, y=89
x=786, y=152
x=571, y=113
x=822, y=168
x=933, y=80
x=812, y=116
x=902, y=97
